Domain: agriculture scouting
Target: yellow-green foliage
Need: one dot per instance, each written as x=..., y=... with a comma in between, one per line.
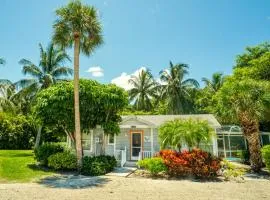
x=230, y=171
x=266, y=156
x=153, y=165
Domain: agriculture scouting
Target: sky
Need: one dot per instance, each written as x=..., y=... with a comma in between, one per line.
x=206, y=34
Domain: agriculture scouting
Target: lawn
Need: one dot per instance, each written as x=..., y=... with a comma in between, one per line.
x=19, y=166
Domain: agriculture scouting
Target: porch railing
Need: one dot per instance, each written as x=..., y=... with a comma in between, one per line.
x=145, y=154
x=121, y=155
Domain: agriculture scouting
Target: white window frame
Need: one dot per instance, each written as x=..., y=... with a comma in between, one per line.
x=109, y=137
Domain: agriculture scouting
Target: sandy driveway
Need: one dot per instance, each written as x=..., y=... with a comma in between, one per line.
x=139, y=188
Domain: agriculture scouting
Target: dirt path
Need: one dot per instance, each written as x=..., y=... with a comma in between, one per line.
x=115, y=188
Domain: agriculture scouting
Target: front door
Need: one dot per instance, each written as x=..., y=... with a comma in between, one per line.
x=136, y=145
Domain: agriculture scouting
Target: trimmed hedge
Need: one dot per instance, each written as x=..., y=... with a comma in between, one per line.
x=266, y=156
x=62, y=161
x=43, y=152
x=98, y=165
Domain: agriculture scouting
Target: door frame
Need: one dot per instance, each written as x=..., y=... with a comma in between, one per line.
x=130, y=140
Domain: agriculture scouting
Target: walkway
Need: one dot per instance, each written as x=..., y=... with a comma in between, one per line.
x=117, y=188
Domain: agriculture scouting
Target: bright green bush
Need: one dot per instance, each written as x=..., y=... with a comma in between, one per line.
x=16, y=132
x=62, y=161
x=98, y=165
x=153, y=165
x=266, y=156
x=43, y=152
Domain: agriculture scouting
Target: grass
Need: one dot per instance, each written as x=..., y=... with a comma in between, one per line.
x=19, y=166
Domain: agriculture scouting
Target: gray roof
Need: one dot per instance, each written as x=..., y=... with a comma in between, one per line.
x=158, y=120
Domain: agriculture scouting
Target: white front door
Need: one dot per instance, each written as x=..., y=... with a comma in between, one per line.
x=136, y=145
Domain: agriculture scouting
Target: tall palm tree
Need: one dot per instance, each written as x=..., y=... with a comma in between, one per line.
x=176, y=89
x=78, y=25
x=215, y=83
x=144, y=89
x=49, y=71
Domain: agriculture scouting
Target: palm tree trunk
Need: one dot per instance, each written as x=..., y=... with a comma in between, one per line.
x=38, y=136
x=251, y=133
x=77, y=102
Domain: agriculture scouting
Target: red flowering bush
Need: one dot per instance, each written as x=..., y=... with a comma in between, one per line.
x=196, y=162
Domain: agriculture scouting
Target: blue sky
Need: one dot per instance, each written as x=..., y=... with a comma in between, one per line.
x=205, y=34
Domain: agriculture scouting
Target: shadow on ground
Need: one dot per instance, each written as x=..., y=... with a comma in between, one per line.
x=73, y=181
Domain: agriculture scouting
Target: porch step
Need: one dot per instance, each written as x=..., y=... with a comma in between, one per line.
x=130, y=164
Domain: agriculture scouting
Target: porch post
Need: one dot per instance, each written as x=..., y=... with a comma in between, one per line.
x=152, y=142
x=92, y=140
x=114, y=145
x=215, y=146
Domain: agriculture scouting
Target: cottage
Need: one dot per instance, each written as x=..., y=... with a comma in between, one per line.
x=138, y=137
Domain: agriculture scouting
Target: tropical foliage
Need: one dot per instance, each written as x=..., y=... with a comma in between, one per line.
x=100, y=105
x=188, y=132
x=244, y=101
x=143, y=91
x=49, y=71
x=176, y=89
x=78, y=25
x=196, y=162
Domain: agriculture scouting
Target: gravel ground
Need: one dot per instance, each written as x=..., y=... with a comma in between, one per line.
x=115, y=188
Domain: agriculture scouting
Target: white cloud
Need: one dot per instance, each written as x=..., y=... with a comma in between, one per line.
x=96, y=71
x=123, y=79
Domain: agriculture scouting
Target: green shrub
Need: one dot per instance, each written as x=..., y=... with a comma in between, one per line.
x=153, y=165
x=98, y=165
x=266, y=156
x=244, y=156
x=16, y=132
x=230, y=171
x=62, y=161
x=43, y=152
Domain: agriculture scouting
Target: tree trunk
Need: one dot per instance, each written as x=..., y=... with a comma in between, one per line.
x=38, y=136
x=77, y=102
x=251, y=133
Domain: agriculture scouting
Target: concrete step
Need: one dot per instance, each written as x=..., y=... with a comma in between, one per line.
x=130, y=164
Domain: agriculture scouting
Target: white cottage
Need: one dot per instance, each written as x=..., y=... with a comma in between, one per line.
x=138, y=137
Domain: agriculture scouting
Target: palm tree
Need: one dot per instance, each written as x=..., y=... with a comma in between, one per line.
x=245, y=102
x=176, y=89
x=8, y=97
x=78, y=25
x=48, y=72
x=144, y=89
x=215, y=84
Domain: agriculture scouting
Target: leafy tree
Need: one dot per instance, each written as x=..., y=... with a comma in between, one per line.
x=189, y=132
x=244, y=100
x=256, y=58
x=49, y=71
x=177, y=90
x=100, y=105
x=78, y=25
x=251, y=53
x=144, y=89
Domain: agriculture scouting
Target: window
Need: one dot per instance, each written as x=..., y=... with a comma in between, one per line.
x=86, y=144
x=110, y=139
x=87, y=141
